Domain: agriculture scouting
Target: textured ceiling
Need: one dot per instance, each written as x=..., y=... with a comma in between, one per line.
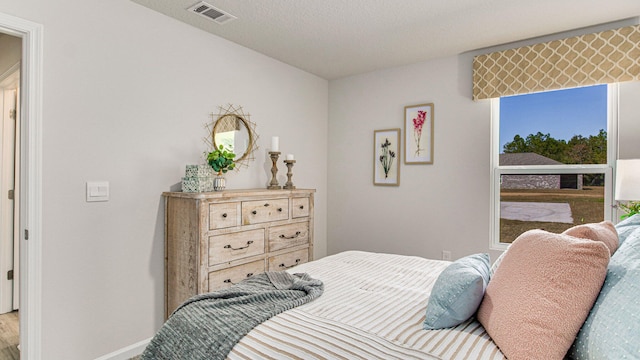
x=338, y=38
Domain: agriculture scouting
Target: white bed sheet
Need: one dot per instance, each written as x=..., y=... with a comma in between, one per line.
x=373, y=307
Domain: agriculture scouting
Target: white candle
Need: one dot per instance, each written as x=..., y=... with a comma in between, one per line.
x=275, y=143
x=289, y=156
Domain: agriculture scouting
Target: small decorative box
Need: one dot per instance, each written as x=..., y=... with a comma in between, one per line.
x=198, y=171
x=198, y=178
x=197, y=184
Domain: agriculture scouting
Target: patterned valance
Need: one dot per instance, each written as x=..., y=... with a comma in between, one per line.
x=601, y=58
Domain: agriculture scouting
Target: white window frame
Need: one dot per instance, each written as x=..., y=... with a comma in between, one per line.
x=497, y=170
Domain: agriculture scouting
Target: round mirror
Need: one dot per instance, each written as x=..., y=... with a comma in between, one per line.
x=234, y=133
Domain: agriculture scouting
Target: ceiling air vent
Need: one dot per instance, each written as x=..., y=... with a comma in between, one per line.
x=211, y=12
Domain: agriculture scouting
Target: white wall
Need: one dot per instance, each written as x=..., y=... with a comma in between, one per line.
x=629, y=127
x=126, y=94
x=444, y=206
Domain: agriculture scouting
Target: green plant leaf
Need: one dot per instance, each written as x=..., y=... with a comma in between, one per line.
x=221, y=160
x=631, y=208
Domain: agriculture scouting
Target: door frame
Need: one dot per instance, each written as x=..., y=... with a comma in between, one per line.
x=30, y=183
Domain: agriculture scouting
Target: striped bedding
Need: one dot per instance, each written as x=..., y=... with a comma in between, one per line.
x=373, y=307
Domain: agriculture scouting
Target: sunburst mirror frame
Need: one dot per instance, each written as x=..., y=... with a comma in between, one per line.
x=221, y=120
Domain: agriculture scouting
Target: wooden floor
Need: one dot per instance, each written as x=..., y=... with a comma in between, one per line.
x=9, y=336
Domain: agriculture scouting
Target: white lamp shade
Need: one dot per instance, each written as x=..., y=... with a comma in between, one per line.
x=628, y=179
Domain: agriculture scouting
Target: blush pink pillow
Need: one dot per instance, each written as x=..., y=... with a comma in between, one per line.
x=541, y=294
x=603, y=231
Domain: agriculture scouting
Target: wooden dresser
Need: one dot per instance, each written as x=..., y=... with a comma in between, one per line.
x=216, y=239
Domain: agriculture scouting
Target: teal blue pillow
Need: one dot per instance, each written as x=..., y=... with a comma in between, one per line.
x=458, y=292
x=612, y=329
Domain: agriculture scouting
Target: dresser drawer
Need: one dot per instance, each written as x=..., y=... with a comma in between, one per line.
x=300, y=207
x=223, y=215
x=284, y=236
x=233, y=275
x=233, y=246
x=288, y=260
x=256, y=212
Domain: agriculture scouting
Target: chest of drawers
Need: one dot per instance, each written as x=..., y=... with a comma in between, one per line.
x=213, y=240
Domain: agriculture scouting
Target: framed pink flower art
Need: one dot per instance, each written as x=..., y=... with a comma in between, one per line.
x=418, y=134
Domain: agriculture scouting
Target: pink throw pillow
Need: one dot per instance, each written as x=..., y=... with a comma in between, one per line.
x=541, y=294
x=604, y=231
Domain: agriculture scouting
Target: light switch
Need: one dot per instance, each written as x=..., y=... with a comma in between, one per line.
x=97, y=191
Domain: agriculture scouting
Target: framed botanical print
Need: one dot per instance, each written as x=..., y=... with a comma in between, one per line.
x=418, y=134
x=386, y=157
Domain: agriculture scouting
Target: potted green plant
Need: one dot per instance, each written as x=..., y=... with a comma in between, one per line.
x=221, y=160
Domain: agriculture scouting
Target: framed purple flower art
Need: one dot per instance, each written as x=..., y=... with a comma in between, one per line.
x=386, y=157
x=418, y=134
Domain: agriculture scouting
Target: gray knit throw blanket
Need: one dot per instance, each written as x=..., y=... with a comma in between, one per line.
x=208, y=326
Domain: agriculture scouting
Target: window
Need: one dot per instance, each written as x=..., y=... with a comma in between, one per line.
x=551, y=160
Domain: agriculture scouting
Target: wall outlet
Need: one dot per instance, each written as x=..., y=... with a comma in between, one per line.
x=446, y=255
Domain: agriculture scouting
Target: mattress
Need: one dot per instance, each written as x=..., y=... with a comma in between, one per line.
x=373, y=307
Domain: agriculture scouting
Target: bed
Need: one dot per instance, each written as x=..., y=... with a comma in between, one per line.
x=373, y=307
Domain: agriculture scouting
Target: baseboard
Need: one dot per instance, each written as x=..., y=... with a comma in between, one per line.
x=128, y=352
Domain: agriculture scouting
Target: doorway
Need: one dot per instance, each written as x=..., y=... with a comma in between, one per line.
x=29, y=218
x=10, y=52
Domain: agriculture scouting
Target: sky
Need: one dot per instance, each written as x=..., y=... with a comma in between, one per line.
x=561, y=113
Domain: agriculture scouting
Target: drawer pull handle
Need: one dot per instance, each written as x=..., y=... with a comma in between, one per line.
x=224, y=215
x=228, y=281
x=254, y=212
x=240, y=248
x=283, y=236
x=266, y=204
x=288, y=267
x=301, y=207
x=280, y=209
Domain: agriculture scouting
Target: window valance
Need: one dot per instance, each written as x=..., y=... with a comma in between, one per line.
x=599, y=58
